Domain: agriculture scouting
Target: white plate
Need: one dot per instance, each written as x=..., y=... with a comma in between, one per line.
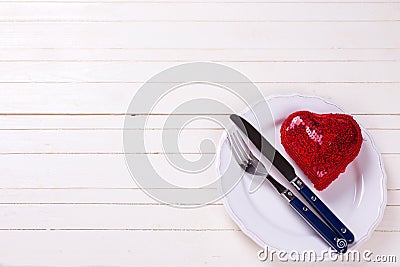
x=357, y=197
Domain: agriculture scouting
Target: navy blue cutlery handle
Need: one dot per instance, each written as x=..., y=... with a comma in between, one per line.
x=339, y=244
x=326, y=214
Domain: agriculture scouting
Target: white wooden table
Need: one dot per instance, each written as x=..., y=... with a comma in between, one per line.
x=69, y=68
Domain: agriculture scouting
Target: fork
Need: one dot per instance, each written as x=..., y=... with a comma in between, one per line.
x=250, y=164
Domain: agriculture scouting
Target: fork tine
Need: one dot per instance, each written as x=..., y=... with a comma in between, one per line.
x=241, y=145
x=239, y=158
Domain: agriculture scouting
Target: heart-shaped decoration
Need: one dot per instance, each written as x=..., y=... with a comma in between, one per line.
x=322, y=145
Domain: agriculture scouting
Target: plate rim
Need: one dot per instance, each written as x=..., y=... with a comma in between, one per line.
x=251, y=234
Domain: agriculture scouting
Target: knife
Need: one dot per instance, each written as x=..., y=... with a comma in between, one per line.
x=287, y=170
x=330, y=236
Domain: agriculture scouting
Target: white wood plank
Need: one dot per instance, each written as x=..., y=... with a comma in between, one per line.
x=188, y=55
x=114, y=196
x=393, y=198
x=97, y=216
x=73, y=122
x=91, y=171
x=120, y=217
x=207, y=1
x=390, y=219
x=100, y=98
x=111, y=141
x=391, y=122
x=256, y=72
x=100, y=171
x=101, y=141
x=149, y=248
x=60, y=171
x=127, y=248
x=185, y=11
x=386, y=140
x=201, y=35
x=120, y=196
x=391, y=163
x=116, y=122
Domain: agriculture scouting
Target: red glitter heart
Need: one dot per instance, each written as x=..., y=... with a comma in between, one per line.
x=322, y=145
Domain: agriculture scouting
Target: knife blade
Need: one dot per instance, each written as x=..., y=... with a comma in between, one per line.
x=287, y=170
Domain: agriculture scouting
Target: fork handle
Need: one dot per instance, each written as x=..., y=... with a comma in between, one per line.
x=324, y=211
x=335, y=241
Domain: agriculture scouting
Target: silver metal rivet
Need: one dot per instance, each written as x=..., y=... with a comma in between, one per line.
x=313, y=198
x=344, y=230
x=290, y=193
x=335, y=239
x=305, y=208
x=298, y=182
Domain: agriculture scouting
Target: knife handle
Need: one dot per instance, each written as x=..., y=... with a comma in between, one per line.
x=339, y=244
x=324, y=211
